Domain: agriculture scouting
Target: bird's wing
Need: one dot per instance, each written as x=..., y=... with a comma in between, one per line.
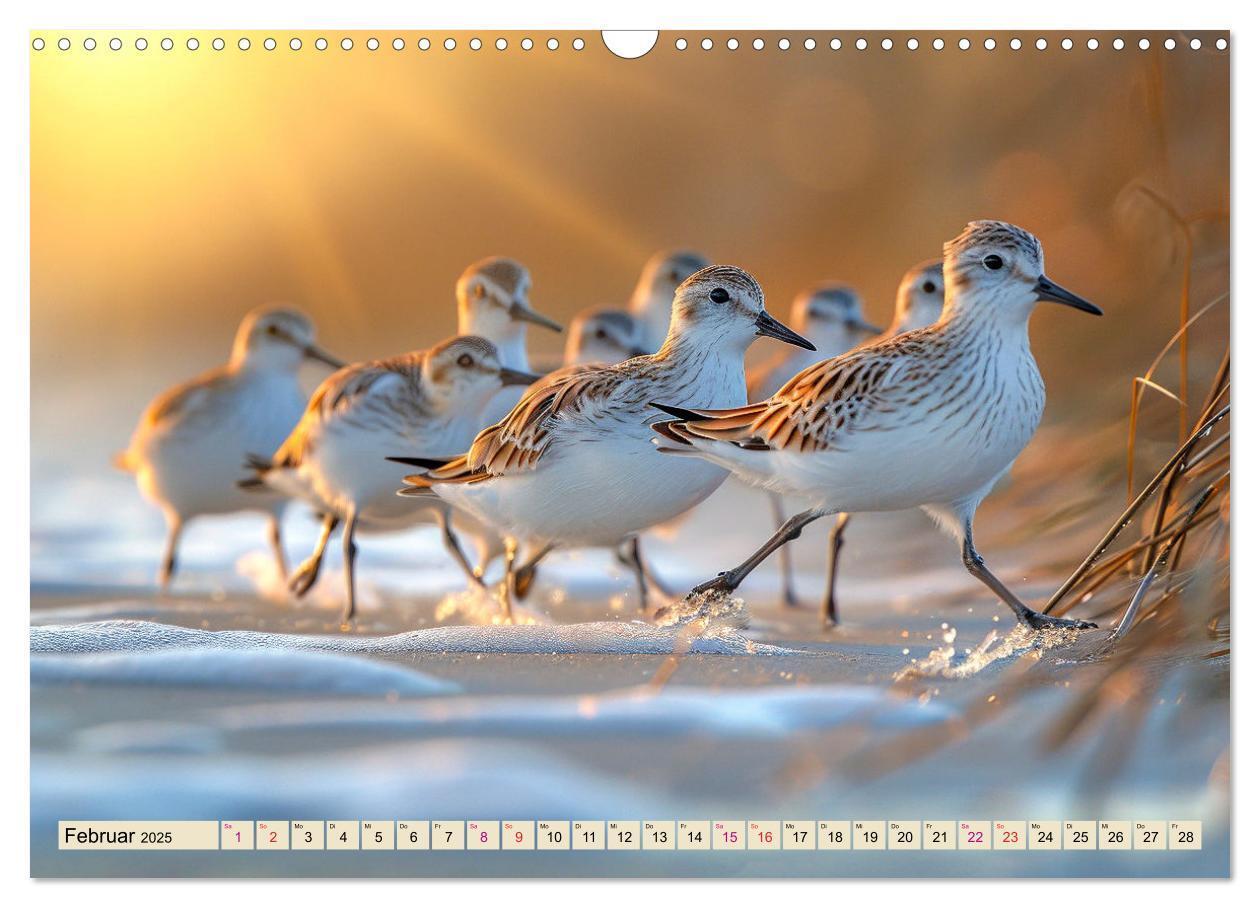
x=176, y=411
x=816, y=409
x=516, y=443
x=336, y=395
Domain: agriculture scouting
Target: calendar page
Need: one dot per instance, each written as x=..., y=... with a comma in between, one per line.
x=565, y=453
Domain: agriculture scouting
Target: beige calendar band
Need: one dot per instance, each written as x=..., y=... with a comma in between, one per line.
x=630, y=835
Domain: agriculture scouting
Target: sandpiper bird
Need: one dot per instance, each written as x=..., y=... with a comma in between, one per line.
x=830, y=315
x=573, y=464
x=428, y=400
x=602, y=336
x=186, y=452
x=492, y=296
x=599, y=337
x=493, y=299
x=928, y=419
x=652, y=302
x=920, y=297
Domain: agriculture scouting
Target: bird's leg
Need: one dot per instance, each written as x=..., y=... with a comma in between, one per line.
x=166, y=573
x=729, y=581
x=830, y=609
x=349, y=550
x=785, y=554
x=523, y=577
x=509, y=577
x=308, y=571
x=277, y=544
x=451, y=541
x=1036, y=620
x=631, y=555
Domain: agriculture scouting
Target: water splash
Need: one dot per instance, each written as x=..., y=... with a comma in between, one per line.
x=711, y=609
x=479, y=605
x=945, y=662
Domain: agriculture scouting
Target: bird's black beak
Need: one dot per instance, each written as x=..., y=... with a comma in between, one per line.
x=520, y=312
x=517, y=377
x=861, y=324
x=769, y=326
x=311, y=351
x=1050, y=292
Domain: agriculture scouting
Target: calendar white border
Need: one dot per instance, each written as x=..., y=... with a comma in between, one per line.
x=782, y=14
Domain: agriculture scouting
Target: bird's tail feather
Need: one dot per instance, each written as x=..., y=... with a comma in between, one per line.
x=260, y=467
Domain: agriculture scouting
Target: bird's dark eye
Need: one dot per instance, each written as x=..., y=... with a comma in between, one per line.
x=993, y=262
x=601, y=334
x=929, y=287
x=465, y=360
x=273, y=329
x=719, y=295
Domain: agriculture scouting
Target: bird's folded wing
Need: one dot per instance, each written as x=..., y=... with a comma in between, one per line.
x=336, y=396
x=812, y=411
x=517, y=442
x=183, y=402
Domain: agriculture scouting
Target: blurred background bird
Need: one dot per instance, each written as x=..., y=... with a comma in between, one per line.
x=187, y=451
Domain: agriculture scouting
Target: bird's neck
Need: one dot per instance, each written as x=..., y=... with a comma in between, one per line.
x=710, y=369
x=987, y=314
x=507, y=336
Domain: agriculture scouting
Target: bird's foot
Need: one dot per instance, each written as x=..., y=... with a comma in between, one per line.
x=304, y=578
x=1040, y=622
x=720, y=584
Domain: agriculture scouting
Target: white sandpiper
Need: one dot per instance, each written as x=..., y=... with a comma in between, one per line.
x=652, y=301
x=600, y=337
x=187, y=451
x=920, y=298
x=574, y=465
x=929, y=419
x=427, y=401
x=830, y=315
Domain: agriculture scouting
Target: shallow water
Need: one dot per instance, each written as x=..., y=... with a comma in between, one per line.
x=226, y=700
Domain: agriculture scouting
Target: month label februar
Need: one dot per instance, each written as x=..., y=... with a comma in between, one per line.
x=131, y=835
